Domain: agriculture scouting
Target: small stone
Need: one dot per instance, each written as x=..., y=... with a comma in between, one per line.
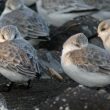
x=102, y=91
x=57, y=98
x=108, y=98
x=86, y=106
x=60, y=108
x=37, y=109
x=64, y=100
x=51, y=105
x=81, y=86
x=54, y=102
x=67, y=108
x=74, y=93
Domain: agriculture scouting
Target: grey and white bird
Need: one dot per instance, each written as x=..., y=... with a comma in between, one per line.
x=104, y=33
x=85, y=63
x=30, y=24
x=58, y=12
x=18, y=59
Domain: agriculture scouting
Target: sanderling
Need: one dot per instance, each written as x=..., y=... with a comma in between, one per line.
x=85, y=63
x=30, y=24
x=57, y=12
x=18, y=60
x=104, y=33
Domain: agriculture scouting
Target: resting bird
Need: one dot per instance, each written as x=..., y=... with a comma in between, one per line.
x=85, y=63
x=30, y=24
x=18, y=59
x=58, y=12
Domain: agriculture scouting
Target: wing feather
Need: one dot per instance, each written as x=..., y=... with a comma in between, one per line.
x=92, y=59
x=29, y=25
x=15, y=59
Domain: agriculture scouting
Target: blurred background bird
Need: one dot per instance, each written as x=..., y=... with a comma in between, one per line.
x=85, y=63
x=58, y=12
x=18, y=59
x=30, y=24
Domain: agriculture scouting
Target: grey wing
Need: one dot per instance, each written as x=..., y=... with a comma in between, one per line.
x=67, y=6
x=92, y=59
x=14, y=59
x=38, y=26
x=98, y=59
x=31, y=53
x=30, y=26
x=41, y=24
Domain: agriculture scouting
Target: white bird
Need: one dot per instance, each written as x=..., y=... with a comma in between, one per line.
x=104, y=33
x=85, y=63
x=18, y=59
x=30, y=24
x=57, y=12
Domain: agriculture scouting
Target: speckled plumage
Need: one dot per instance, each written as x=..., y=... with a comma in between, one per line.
x=86, y=63
x=90, y=58
x=30, y=23
x=17, y=56
x=58, y=12
x=15, y=59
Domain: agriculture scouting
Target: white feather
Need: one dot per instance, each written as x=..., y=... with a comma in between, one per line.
x=61, y=16
x=85, y=78
x=13, y=76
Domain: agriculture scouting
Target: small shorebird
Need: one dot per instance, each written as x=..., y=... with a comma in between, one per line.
x=58, y=12
x=30, y=24
x=18, y=60
x=104, y=33
x=85, y=63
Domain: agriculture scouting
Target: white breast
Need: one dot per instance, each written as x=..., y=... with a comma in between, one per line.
x=13, y=76
x=85, y=78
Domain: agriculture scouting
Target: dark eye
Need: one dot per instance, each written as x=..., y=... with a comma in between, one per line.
x=3, y=37
x=27, y=38
x=103, y=29
x=15, y=36
x=9, y=8
x=77, y=45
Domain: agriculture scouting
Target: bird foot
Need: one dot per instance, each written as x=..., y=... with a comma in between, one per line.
x=28, y=85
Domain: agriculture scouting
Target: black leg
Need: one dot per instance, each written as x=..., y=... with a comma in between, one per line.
x=29, y=84
x=38, y=75
x=26, y=85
